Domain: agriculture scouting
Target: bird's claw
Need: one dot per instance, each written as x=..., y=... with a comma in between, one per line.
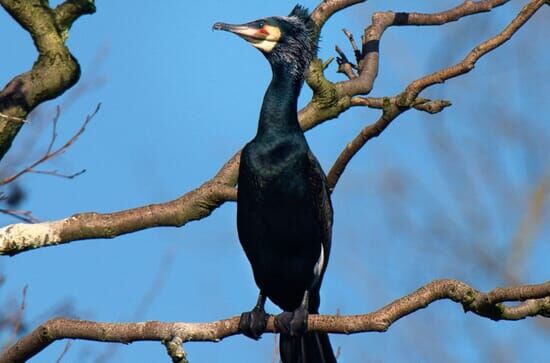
x=293, y=323
x=253, y=323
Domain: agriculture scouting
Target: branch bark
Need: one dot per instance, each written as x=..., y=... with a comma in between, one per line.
x=55, y=70
x=394, y=106
x=535, y=302
x=328, y=102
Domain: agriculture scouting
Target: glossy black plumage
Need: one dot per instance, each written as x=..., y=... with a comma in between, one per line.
x=284, y=213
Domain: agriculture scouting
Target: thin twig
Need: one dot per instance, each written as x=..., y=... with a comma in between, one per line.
x=13, y=118
x=57, y=174
x=394, y=106
x=49, y=154
x=18, y=317
x=65, y=350
x=23, y=215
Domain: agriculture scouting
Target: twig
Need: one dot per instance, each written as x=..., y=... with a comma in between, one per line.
x=468, y=63
x=23, y=215
x=65, y=350
x=57, y=174
x=18, y=317
x=536, y=302
x=13, y=118
x=420, y=104
x=381, y=21
x=394, y=106
x=49, y=154
x=174, y=348
x=344, y=65
x=359, y=141
x=356, y=51
x=328, y=102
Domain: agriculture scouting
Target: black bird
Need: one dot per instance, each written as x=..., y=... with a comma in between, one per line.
x=284, y=213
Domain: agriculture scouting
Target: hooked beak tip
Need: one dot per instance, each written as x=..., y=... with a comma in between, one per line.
x=218, y=26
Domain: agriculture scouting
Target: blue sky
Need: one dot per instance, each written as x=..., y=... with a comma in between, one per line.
x=178, y=100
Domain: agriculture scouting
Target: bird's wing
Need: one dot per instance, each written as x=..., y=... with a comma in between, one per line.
x=323, y=205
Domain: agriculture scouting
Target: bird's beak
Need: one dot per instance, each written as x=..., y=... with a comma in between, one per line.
x=245, y=31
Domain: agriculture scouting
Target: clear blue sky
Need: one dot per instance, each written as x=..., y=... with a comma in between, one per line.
x=178, y=100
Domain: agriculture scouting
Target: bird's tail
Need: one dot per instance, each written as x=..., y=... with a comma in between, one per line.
x=309, y=348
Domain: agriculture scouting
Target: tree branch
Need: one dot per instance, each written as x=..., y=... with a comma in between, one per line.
x=381, y=21
x=51, y=154
x=394, y=106
x=328, y=102
x=55, y=70
x=327, y=8
x=67, y=12
x=468, y=63
x=535, y=298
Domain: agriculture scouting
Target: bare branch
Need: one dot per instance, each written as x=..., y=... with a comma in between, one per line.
x=327, y=8
x=194, y=205
x=468, y=63
x=49, y=154
x=369, y=132
x=368, y=66
x=70, y=10
x=329, y=100
x=55, y=70
x=490, y=305
x=394, y=106
x=420, y=104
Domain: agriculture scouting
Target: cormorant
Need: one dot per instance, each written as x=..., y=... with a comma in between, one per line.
x=284, y=213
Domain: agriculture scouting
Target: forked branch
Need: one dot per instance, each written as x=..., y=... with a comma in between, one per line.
x=394, y=106
x=328, y=102
x=55, y=70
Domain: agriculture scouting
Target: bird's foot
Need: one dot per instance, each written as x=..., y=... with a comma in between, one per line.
x=292, y=322
x=253, y=323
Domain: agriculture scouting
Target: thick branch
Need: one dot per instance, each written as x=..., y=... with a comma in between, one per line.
x=536, y=303
x=328, y=102
x=55, y=70
x=194, y=205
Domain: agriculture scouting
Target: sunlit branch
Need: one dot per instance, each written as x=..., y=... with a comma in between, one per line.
x=534, y=301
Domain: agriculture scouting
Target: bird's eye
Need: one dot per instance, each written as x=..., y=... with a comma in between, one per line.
x=261, y=24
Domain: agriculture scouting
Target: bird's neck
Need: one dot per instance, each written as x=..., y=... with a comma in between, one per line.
x=279, y=109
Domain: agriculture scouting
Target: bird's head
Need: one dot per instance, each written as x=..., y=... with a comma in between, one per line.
x=284, y=40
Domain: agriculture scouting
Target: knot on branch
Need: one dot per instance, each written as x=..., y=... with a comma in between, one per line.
x=480, y=304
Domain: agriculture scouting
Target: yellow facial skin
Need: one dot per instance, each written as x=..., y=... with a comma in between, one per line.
x=264, y=38
x=271, y=36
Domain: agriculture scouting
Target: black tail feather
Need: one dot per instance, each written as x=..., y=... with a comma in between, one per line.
x=309, y=348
